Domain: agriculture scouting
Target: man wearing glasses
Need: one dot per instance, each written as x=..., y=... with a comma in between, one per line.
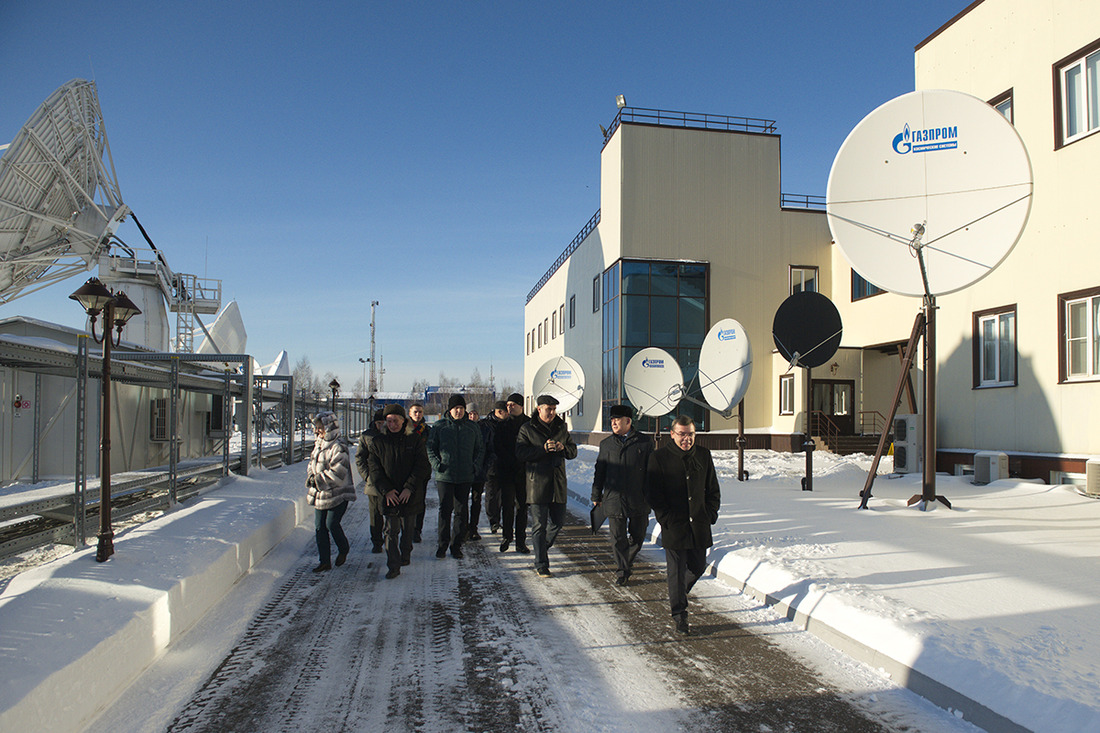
x=682, y=488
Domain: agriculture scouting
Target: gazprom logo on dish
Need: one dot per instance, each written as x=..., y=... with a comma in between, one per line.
x=925, y=141
x=653, y=363
x=727, y=334
x=561, y=374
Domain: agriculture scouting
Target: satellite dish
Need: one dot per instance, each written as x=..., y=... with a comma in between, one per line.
x=725, y=365
x=653, y=381
x=561, y=378
x=59, y=199
x=940, y=170
x=807, y=329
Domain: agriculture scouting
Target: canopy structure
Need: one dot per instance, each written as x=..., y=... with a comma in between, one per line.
x=59, y=196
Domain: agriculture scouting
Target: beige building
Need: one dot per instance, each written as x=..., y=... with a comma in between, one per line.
x=693, y=228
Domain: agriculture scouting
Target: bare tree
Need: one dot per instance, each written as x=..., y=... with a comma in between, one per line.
x=303, y=375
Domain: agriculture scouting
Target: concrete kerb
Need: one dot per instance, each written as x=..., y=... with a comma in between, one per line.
x=45, y=694
x=738, y=572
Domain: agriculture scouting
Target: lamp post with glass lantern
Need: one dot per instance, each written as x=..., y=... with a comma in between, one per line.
x=335, y=387
x=117, y=309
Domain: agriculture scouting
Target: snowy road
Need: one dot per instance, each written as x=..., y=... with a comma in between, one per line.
x=482, y=644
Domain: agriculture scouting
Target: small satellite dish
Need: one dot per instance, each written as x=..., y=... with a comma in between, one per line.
x=807, y=329
x=725, y=365
x=653, y=381
x=940, y=170
x=561, y=378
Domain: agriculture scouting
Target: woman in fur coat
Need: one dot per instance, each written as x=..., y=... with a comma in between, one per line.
x=331, y=488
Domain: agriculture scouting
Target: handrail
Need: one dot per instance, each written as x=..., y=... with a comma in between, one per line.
x=878, y=422
x=831, y=432
x=809, y=201
x=577, y=240
x=689, y=120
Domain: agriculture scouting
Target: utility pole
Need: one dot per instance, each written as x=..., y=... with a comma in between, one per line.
x=373, y=385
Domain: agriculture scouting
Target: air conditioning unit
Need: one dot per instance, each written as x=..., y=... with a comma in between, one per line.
x=990, y=466
x=1092, y=477
x=907, y=444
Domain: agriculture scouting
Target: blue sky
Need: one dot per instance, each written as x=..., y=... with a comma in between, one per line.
x=434, y=156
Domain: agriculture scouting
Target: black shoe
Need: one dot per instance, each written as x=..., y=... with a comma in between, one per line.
x=322, y=567
x=505, y=545
x=441, y=553
x=523, y=548
x=376, y=549
x=621, y=580
x=473, y=536
x=416, y=536
x=543, y=572
x=392, y=574
x=682, y=625
x=406, y=560
x=456, y=553
x=341, y=559
x=494, y=528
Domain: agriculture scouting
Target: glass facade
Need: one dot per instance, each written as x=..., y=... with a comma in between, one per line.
x=653, y=303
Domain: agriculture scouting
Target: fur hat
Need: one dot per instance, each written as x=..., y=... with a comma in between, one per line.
x=394, y=409
x=545, y=399
x=515, y=397
x=378, y=415
x=622, y=411
x=456, y=400
x=325, y=420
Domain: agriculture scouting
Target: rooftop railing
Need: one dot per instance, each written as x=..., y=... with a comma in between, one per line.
x=565, y=255
x=691, y=120
x=801, y=201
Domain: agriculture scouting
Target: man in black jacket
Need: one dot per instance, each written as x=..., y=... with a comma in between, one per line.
x=510, y=478
x=544, y=445
x=504, y=455
x=682, y=488
x=374, y=499
x=618, y=485
x=398, y=465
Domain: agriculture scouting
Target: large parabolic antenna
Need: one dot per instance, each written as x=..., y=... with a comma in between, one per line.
x=59, y=197
x=653, y=381
x=563, y=379
x=807, y=329
x=725, y=365
x=941, y=171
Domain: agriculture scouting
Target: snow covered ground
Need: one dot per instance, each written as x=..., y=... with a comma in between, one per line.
x=985, y=608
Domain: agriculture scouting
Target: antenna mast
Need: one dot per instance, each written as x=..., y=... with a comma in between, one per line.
x=372, y=388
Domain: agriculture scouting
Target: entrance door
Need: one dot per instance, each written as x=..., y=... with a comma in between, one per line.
x=833, y=398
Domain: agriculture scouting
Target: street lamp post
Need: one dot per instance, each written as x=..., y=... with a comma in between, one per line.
x=335, y=387
x=117, y=309
x=364, y=362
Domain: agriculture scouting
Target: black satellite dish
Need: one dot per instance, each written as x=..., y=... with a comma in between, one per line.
x=807, y=329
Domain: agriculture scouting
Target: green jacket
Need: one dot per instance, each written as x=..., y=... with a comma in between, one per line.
x=455, y=449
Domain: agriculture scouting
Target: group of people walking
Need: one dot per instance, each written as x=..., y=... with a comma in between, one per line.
x=518, y=463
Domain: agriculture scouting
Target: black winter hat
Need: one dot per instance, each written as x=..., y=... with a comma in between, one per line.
x=622, y=411
x=394, y=409
x=455, y=401
x=515, y=397
x=378, y=416
x=500, y=405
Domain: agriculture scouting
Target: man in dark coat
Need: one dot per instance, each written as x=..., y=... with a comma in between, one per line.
x=374, y=499
x=682, y=488
x=618, y=487
x=419, y=426
x=398, y=467
x=502, y=453
x=544, y=445
x=481, y=474
x=455, y=450
x=511, y=478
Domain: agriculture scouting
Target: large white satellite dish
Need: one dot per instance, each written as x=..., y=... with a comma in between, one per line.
x=59, y=198
x=725, y=365
x=563, y=379
x=653, y=381
x=941, y=171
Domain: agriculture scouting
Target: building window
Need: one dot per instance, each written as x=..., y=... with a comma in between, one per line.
x=572, y=311
x=596, y=294
x=540, y=336
x=554, y=324
x=561, y=318
x=786, y=394
x=546, y=330
x=1079, y=347
x=1077, y=82
x=1003, y=104
x=803, y=279
x=862, y=288
x=995, y=347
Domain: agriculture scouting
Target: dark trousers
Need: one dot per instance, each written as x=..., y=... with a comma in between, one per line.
x=452, y=500
x=477, y=488
x=492, y=500
x=399, y=539
x=684, y=568
x=546, y=522
x=513, y=510
x=326, y=521
x=627, y=536
x=377, y=521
